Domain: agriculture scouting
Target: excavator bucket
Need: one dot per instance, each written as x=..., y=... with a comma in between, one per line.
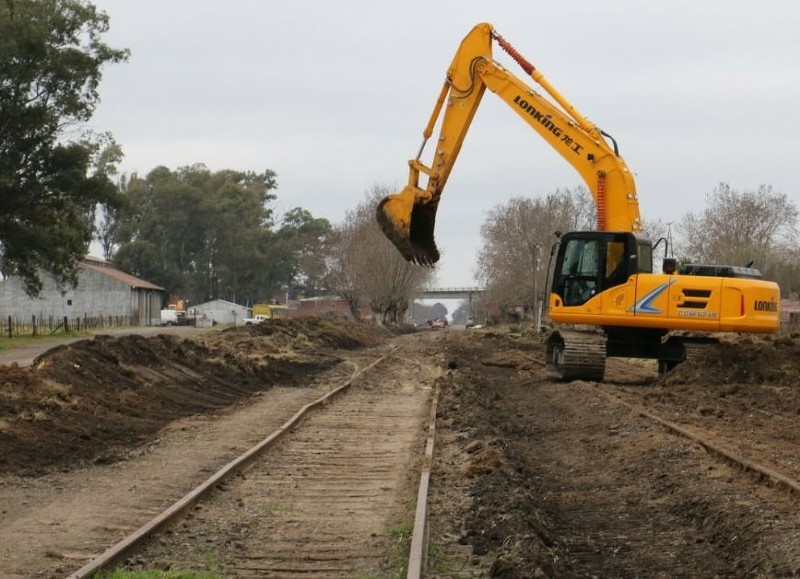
x=407, y=219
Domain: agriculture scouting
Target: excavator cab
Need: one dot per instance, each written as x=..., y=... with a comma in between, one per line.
x=589, y=262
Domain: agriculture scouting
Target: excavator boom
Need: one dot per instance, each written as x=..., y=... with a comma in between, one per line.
x=408, y=218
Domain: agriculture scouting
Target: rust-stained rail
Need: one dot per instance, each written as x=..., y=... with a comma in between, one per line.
x=762, y=472
x=419, y=537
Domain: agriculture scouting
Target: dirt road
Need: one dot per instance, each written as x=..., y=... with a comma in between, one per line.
x=531, y=477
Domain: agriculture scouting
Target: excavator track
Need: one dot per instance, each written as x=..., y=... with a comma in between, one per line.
x=576, y=355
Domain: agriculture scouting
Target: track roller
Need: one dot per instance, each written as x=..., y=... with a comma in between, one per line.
x=573, y=355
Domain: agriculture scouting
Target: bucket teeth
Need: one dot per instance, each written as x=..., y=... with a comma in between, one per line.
x=408, y=223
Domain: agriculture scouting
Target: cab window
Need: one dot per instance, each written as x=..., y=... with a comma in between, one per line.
x=580, y=270
x=615, y=258
x=644, y=256
x=580, y=257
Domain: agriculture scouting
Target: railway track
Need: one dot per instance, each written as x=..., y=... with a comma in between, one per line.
x=710, y=490
x=320, y=496
x=761, y=473
x=308, y=509
x=529, y=476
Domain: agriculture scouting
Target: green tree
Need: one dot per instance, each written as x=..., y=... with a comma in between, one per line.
x=236, y=225
x=160, y=236
x=303, y=239
x=204, y=235
x=194, y=232
x=51, y=54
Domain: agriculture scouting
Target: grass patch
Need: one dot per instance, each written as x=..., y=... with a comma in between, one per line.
x=7, y=343
x=278, y=509
x=211, y=557
x=401, y=531
x=208, y=555
x=396, y=565
x=438, y=561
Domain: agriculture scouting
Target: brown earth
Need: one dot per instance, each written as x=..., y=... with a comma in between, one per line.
x=93, y=400
x=569, y=480
x=531, y=478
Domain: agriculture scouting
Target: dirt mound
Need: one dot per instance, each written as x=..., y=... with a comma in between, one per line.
x=564, y=481
x=745, y=360
x=316, y=332
x=94, y=400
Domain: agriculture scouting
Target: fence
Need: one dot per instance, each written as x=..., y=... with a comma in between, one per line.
x=35, y=327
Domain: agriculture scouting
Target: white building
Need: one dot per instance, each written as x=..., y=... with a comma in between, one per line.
x=102, y=292
x=221, y=311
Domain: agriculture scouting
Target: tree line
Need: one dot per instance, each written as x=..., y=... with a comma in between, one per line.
x=205, y=235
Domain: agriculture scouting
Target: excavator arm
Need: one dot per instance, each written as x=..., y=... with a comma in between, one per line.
x=408, y=218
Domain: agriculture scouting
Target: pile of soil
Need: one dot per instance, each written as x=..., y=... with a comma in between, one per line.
x=320, y=333
x=96, y=399
x=742, y=375
x=743, y=360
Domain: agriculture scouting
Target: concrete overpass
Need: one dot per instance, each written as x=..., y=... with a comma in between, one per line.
x=450, y=293
x=467, y=294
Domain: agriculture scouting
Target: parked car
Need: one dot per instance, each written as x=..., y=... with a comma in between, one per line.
x=257, y=319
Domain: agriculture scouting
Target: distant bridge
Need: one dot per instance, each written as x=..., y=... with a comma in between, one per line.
x=450, y=293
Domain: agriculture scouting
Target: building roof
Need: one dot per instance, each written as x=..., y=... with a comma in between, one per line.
x=105, y=268
x=221, y=301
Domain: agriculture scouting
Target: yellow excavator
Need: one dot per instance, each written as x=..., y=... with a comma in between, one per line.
x=604, y=297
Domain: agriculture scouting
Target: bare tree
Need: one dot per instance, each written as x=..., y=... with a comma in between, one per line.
x=366, y=267
x=786, y=269
x=742, y=227
x=661, y=234
x=341, y=276
x=516, y=242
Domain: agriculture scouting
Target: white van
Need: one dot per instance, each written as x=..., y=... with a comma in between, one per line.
x=169, y=317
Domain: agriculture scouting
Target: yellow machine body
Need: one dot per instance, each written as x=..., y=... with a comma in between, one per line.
x=678, y=302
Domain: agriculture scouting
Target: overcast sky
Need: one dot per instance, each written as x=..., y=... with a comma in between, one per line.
x=333, y=97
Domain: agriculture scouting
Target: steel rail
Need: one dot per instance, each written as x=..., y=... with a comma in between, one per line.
x=762, y=473
x=419, y=536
